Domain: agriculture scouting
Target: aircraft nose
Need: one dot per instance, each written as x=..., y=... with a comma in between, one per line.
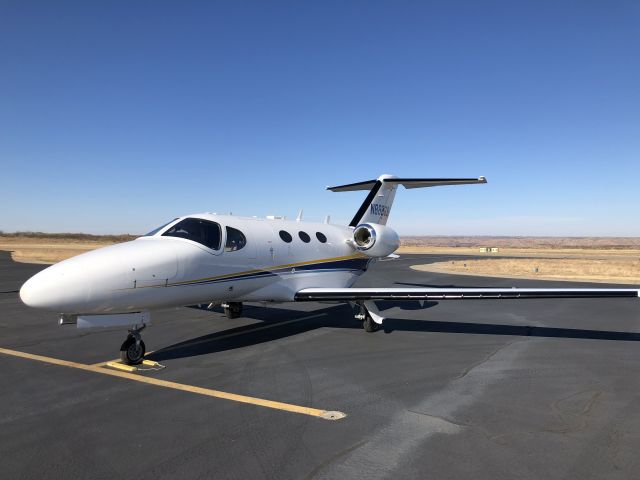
x=102, y=280
x=29, y=292
x=54, y=289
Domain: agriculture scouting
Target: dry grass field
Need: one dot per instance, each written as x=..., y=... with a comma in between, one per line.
x=48, y=248
x=612, y=270
x=592, y=247
x=546, y=243
x=592, y=253
x=597, y=259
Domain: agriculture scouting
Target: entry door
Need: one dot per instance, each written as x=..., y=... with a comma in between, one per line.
x=252, y=242
x=276, y=250
x=264, y=246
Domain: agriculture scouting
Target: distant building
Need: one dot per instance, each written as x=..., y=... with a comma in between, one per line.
x=489, y=249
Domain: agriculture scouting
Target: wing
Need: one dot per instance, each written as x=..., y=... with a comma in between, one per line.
x=355, y=294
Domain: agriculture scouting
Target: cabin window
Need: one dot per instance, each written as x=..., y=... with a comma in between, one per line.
x=304, y=237
x=235, y=240
x=198, y=230
x=285, y=236
x=321, y=237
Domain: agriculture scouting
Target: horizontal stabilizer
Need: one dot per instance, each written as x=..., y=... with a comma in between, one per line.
x=355, y=294
x=352, y=187
x=434, y=182
x=382, y=191
x=407, y=183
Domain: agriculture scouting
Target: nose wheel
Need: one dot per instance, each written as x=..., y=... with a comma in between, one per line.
x=132, y=349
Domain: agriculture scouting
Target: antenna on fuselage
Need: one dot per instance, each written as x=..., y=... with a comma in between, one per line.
x=327, y=219
x=299, y=217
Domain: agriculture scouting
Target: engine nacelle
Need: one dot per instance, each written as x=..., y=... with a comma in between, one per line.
x=375, y=240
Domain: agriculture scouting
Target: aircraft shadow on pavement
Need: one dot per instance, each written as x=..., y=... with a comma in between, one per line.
x=281, y=323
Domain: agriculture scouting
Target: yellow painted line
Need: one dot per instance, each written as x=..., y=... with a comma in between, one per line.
x=314, y=412
x=102, y=364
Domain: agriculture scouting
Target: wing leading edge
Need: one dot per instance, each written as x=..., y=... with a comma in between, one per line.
x=355, y=294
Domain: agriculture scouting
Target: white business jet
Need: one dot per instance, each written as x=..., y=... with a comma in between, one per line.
x=225, y=260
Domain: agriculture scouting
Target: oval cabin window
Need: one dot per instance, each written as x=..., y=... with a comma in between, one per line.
x=285, y=236
x=304, y=237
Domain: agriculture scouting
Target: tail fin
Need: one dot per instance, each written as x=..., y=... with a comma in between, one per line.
x=377, y=205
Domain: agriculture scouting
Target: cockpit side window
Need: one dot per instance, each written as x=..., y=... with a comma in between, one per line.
x=235, y=240
x=198, y=230
x=156, y=230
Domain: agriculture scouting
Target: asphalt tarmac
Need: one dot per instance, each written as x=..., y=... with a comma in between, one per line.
x=489, y=389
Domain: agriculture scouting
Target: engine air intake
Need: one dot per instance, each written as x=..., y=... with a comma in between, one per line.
x=364, y=236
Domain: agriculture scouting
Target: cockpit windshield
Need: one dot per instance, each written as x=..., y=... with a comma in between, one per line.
x=156, y=230
x=198, y=230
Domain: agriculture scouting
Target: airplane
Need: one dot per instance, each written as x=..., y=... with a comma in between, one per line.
x=225, y=260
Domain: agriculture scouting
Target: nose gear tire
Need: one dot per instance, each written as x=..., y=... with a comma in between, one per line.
x=132, y=352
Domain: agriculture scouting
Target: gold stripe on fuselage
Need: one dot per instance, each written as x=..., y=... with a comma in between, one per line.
x=248, y=272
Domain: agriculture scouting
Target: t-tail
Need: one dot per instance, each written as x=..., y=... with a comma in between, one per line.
x=377, y=206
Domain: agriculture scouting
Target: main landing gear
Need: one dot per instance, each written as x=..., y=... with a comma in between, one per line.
x=132, y=350
x=232, y=309
x=370, y=316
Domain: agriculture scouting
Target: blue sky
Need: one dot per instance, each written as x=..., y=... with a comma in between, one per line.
x=117, y=116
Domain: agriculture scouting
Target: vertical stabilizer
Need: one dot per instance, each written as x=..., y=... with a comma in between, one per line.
x=377, y=205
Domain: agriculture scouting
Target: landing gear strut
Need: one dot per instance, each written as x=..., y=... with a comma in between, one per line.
x=368, y=322
x=232, y=309
x=132, y=350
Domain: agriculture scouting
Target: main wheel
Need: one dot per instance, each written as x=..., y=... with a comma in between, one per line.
x=132, y=353
x=233, y=309
x=369, y=325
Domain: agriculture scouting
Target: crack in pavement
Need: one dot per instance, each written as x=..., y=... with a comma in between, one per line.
x=468, y=370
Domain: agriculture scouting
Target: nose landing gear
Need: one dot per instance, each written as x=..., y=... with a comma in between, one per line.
x=133, y=349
